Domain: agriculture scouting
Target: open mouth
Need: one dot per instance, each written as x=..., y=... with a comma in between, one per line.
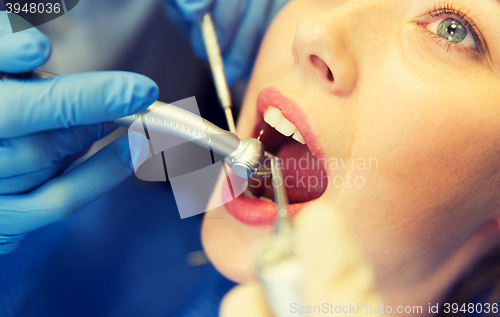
x=303, y=174
x=287, y=134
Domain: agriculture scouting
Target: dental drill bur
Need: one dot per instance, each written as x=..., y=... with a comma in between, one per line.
x=217, y=66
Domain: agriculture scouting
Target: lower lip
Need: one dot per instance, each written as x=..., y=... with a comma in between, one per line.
x=254, y=212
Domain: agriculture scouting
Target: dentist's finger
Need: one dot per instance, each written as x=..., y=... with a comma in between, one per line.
x=64, y=195
x=22, y=51
x=37, y=151
x=32, y=105
x=23, y=183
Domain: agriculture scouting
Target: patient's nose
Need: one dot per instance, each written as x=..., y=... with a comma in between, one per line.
x=320, y=52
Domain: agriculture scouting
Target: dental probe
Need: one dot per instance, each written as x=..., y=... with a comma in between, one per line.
x=277, y=267
x=217, y=66
x=245, y=156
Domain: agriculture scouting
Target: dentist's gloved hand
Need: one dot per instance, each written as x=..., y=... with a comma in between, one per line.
x=45, y=123
x=240, y=26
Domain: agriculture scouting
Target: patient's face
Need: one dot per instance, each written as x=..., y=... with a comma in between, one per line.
x=399, y=102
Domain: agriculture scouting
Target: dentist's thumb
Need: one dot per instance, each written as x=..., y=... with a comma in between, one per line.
x=193, y=10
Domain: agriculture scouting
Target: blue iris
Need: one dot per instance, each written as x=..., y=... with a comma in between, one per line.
x=452, y=30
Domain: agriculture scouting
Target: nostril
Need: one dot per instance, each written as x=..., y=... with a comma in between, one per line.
x=330, y=75
x=319, y=64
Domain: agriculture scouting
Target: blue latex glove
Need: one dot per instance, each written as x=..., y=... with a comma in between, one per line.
x=45, y=123
x=240, y=26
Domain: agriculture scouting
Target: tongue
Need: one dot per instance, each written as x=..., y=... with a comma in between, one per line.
x=305, y=178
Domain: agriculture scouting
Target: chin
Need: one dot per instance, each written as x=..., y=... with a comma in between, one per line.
x=230, y=231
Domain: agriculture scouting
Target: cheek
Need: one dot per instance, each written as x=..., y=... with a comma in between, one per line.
x=421, y=125
x=436, y=145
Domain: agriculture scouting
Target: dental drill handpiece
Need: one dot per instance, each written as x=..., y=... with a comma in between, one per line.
x=217, y=66
x=277, y=267
x=243, y=156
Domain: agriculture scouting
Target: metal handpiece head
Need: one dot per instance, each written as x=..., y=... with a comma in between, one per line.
x=248, y=157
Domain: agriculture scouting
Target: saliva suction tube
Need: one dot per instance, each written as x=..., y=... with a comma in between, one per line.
x=245, y=157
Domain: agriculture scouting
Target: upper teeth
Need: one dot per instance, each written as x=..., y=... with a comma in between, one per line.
x=275, y=119
x=298, y=137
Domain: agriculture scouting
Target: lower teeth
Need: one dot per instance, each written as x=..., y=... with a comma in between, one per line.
x=248, y=194
x=265, y=199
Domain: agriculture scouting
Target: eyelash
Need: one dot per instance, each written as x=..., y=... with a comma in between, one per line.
x=461, y=14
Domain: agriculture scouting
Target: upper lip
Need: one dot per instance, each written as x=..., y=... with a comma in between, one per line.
x=271, y=96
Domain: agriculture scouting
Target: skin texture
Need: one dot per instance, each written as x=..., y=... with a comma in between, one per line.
x=427, y=111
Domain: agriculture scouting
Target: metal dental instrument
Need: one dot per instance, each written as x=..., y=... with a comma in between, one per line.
x=217, y=66
x=283, y=223
x=245, y=156
x=278, y=269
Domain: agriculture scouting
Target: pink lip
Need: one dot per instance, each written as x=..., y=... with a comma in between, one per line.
x=255, y=212
x=293, y=113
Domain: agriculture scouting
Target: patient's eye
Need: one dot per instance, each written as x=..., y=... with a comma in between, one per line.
x=453, y=31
